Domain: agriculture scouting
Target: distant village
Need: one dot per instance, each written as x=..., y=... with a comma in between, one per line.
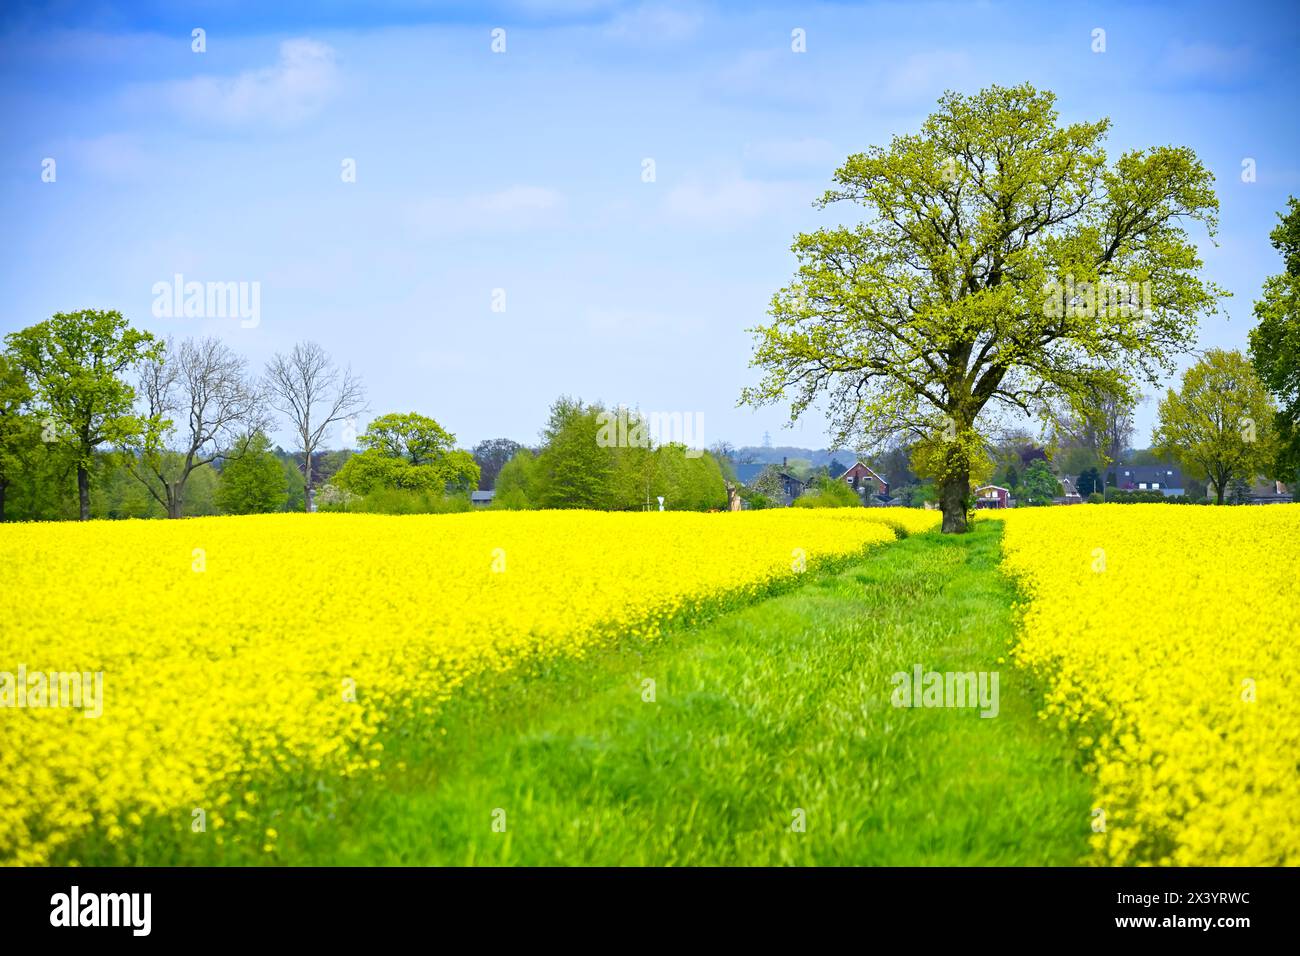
x=795, y=476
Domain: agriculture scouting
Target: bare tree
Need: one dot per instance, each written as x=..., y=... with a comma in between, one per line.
x=202, y=406
x=1103, y=425
x=308, y=388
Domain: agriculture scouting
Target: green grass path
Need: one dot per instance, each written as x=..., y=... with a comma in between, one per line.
x=780, y=706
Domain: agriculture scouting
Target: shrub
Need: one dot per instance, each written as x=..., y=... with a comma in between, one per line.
x=398, y=501
x=1122, y=497
x=829, y=493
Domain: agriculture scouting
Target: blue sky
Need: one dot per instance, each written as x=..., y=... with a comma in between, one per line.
x=522, y=171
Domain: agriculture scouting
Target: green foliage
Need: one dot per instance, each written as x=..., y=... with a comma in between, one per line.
x=491, y=456
x=1096, y=498
x=941, y=304
x=1220, y=424
x=415, y=439
x=409, y=452
x=1038, y=486
x=74, y=363
x=19, y=433
x=573, y=470
x=1275, y=342
x=1147, y=497
x=254, y=483
x=398, y=501
x=916, y=496
x=603, y=460
x=516, y=483
x=1089, y=482
x=829, y=493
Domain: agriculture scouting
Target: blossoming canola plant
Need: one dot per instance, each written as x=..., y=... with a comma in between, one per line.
x=1170, y=637
x=237, y=648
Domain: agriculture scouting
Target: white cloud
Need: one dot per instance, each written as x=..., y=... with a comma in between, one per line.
x=300, y=83
x=652, y=23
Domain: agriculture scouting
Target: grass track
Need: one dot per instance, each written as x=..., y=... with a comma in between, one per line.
x=781, y=705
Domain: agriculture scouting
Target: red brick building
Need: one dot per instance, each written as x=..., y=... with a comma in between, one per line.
x=862, y=479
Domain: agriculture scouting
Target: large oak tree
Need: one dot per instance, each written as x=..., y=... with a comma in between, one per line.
x=1000, y=267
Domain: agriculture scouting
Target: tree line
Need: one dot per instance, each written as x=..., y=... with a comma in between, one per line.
x=99, y=418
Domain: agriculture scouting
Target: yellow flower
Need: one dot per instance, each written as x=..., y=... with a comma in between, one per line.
x=1169, y=634
x=305, y=633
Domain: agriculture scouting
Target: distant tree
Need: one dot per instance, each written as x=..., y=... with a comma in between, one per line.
x=1098, y=421
x=1238, y=492
x=294, y=482
x=768, y=484
x=1089, y=482
x=829, y=492
x=1220, y=424
x=313, y=394
x=412, y=438
x=200, y=402
x=1275, y=342
x=573, y=470
x=725, y=454
x=1147, y=457
x=516, y=483
x=974, y=282
x=1030, y=452
x=896, y=465
x=1011, y=478
x=253, y=483
x=408, y=451
x=18, y=431
x=491, y=456
x=1038, y=486
x=75, y=362
x=1075, y=460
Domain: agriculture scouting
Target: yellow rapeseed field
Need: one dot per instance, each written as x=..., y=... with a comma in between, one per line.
x=1171, y=635
x=237, y=648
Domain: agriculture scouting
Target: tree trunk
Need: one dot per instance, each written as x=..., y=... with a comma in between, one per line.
x=306, y=473
x=1219, y=489
x=174, y=499
x=83, y=491
x=953, y=491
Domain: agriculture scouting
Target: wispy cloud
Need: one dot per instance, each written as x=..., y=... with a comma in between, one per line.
x=296, y=87
x=654, y=23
